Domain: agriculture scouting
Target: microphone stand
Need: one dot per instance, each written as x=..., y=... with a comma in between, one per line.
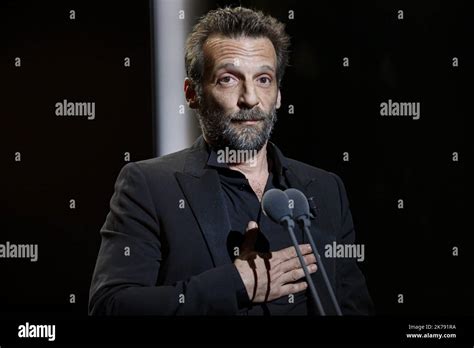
x=289, y=224
x=305, y=226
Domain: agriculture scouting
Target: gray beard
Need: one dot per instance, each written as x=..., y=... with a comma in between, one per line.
x=221, y=132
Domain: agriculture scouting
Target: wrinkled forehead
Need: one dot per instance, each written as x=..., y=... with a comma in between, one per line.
x=243, y=51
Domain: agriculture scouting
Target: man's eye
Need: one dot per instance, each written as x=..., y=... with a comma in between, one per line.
x=226, y=80
x=265, y=80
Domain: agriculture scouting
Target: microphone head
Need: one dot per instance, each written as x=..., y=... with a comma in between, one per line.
x=275, y=205
x=300, y=203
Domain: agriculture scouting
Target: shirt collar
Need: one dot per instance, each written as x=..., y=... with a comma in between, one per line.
x=278, y=163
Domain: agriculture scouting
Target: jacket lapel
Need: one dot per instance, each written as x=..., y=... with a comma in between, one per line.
x=203, y=193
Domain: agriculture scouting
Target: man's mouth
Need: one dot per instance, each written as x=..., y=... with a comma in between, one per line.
x=247, y=122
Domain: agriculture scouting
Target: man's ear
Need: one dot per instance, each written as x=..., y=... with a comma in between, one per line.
x=190, y=94
x=278, y=103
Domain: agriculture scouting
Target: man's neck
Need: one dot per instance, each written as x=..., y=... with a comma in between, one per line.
x=257, y=167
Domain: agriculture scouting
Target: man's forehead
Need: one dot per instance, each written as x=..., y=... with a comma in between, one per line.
x=218, y=49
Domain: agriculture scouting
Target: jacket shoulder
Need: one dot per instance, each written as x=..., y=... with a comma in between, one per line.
x=328, y=182
x=308, y=172
x=164, y=164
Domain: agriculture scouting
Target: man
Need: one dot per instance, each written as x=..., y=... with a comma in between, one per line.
x=186, y=235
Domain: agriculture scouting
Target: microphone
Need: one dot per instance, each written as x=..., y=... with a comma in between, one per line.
x=301, y=214
x=275, y=206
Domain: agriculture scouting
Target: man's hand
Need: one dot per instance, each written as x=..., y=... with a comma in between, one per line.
x=268, y=276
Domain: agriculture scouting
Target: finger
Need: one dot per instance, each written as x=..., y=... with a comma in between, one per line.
x=294, y=263
x=290, y=252
x=250, y=237
x=287, y=289
x=296, y=274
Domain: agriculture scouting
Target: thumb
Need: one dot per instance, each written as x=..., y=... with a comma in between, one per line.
x=250, y=236
x=251, y=225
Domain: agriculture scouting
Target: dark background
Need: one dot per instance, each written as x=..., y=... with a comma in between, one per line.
x=67, y=158
x=408, y=251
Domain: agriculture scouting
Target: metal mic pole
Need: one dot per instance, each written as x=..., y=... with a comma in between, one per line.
x=305, y=226
x=290, y=225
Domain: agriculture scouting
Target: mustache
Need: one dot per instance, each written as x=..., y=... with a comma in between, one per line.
x=248, y=115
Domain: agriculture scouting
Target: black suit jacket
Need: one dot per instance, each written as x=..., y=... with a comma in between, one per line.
x=163, y=249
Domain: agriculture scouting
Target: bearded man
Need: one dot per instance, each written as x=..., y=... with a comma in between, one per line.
x=186, y=234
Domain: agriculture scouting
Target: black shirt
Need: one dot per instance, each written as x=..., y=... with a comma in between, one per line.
x=243, y=206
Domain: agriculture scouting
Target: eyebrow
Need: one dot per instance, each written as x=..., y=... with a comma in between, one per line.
x=232, y=65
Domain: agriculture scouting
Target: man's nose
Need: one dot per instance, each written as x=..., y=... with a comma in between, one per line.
x=248, y=96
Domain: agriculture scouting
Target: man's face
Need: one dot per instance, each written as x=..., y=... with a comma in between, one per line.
x=240, y=95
